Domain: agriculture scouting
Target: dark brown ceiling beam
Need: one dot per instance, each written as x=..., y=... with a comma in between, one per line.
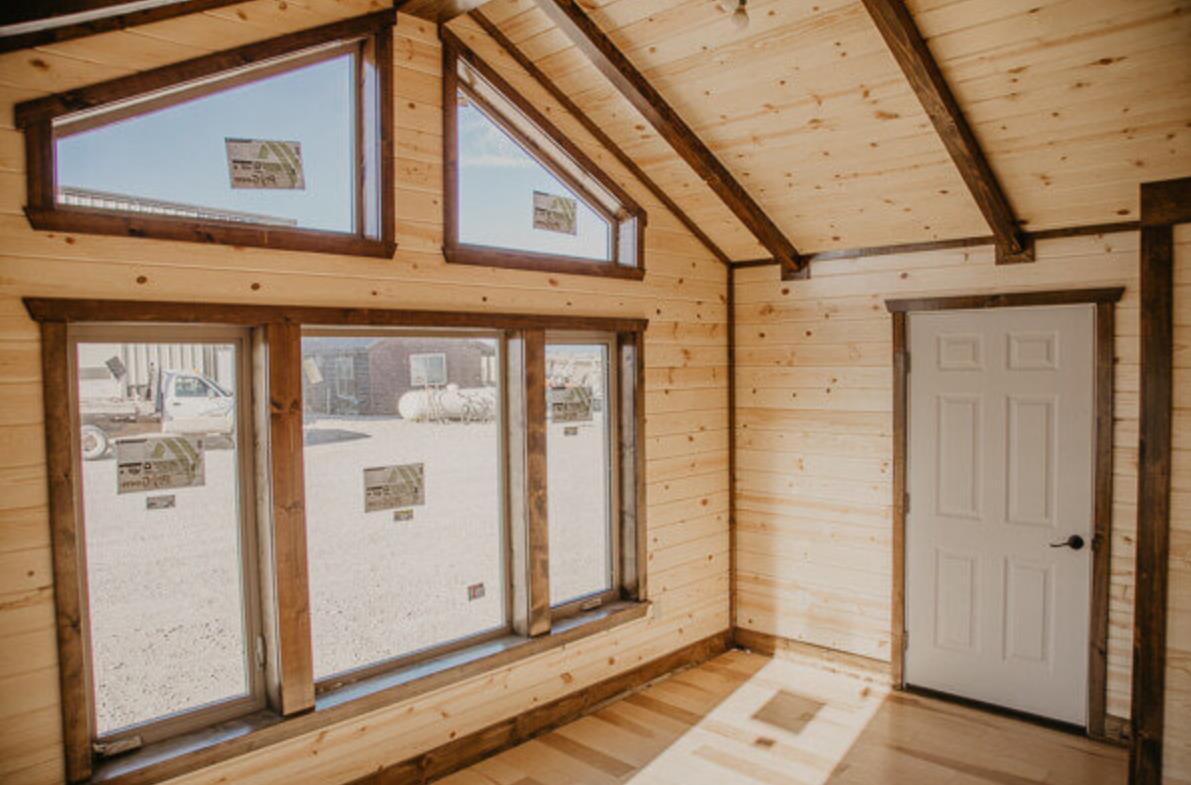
x=532, y=69
x=633, y=85
x=909, y=48
x=49, y=28
x=440, y=11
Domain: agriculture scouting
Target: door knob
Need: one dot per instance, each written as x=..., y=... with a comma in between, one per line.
x=1074, y=542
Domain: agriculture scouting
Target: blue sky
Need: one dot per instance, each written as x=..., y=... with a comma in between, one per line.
x=496, y=184
x=178, y=154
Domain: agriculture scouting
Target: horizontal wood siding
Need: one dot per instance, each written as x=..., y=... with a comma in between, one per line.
x=814, y=435
x=685, y=400
x=1176, y=749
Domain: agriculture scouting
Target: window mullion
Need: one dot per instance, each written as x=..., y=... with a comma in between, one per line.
x=290, y=660
x=527, y=483
x=630, y=380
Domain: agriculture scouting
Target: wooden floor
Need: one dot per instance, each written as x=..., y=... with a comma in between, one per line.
x=743, y=718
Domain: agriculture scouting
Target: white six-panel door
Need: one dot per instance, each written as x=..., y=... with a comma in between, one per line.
x=1000, y=466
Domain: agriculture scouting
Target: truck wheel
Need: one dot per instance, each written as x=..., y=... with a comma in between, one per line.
x=95, y=443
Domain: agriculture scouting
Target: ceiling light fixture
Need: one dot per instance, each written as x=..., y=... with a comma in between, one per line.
x=740, y=17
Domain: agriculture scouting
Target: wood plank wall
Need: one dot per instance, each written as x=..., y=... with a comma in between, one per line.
x=814, y=446
x=1176, y=750
x=686, y=400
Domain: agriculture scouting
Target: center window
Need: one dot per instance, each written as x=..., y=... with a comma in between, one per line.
x=404, y=499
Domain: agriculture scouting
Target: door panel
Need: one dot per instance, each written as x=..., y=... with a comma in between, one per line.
x=1000, y=465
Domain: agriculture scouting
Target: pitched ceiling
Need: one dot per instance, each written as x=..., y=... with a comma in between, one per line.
x=1075, y=102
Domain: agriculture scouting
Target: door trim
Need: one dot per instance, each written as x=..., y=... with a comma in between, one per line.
x=1164, y=204
x=1104, y=300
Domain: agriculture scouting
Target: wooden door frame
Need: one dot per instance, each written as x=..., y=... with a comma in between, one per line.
x=1104, y=300
x=1163, y=205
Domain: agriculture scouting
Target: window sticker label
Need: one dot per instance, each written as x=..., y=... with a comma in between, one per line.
x=555, y=213
x=160, y=502
x=475, y=591
x=313, y=374
x=403, y=515
x=570, y=404
x=391, y=487
x=265, y=163
x=156, y=463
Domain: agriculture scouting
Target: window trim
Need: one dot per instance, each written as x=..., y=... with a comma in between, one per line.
x=279, y=502
x=221, y=70
x=631, y=224
x=175, y=723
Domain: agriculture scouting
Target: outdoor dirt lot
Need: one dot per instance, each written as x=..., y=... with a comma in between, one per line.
x=165, y=592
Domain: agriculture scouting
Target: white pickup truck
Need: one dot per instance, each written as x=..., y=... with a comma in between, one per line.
x=182, y=403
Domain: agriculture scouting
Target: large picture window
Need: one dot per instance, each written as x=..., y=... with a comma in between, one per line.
x=404, y=507
x=282, y=144
x=519, y=193
x=315, y=512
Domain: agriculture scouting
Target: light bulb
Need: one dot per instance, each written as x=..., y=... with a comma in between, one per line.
x=740, y=17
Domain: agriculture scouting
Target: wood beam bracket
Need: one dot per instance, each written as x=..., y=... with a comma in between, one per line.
x=1020, y=252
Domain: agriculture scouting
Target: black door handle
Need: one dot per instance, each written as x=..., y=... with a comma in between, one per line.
x=1074, y=542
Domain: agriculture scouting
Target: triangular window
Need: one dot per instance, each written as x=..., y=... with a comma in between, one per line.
x=519, y=194
x=282, y=152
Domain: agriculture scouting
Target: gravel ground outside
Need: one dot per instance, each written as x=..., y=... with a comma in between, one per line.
x=165, y=596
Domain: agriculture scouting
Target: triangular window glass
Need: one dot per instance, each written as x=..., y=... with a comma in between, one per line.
x=509, y=199
x=519, y=192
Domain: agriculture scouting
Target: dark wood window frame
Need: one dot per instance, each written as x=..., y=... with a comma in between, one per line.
x=1104, y=301
x=294, y=708
x=372, y=34
x=627, y=225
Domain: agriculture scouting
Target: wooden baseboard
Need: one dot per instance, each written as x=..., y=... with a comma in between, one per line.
x=1117, y=730
x=809, y=653
x=461, y=753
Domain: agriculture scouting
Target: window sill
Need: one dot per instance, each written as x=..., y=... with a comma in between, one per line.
x=65, y=219
x=539, y=262
x=167, y=759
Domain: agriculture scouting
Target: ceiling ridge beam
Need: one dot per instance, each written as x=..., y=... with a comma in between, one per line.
x=567, y=104
x=632, y=84
x=912, y=54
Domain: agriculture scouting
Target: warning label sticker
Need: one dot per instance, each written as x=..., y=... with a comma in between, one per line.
x=265, y=163
x=391, y=487
x=156, y=463
x=570, y=404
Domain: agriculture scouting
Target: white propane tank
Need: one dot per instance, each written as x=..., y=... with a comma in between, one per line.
x=474, y=404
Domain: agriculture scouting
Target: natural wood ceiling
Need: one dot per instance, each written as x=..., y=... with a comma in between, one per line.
x=1075, y=102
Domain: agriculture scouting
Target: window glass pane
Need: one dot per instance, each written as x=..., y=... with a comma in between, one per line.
x=497, y=206
x=578, y=470
x=175, y=161
x=404, y=507
x=162, y=516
